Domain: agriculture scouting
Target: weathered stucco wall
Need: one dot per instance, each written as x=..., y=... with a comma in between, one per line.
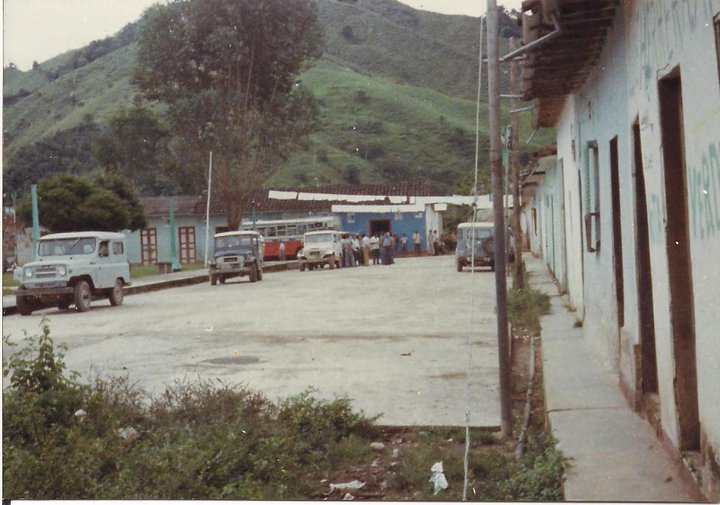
x=663, y=36
x=649, y=41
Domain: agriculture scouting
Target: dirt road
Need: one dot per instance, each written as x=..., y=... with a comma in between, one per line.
x=394, y=339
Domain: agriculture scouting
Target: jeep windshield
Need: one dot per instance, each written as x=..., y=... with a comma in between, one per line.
x=480, y=233
x=66, y=246
x=320, y=238
x=233, y=243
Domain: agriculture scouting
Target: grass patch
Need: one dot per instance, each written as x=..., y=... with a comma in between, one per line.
x=140, y=271
x=8, y=282
x=66, y=439
x=525, y=306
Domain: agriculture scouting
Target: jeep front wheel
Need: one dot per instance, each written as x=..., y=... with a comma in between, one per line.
x=260, y=273
x=24, y=306
x=459, y=266
x=253, y=273
x=116, y=293
x=332, y=262
x=82, y=296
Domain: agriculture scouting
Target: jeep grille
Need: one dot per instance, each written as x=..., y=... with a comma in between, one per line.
x=45, y=271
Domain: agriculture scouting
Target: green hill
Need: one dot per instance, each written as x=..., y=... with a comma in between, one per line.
x=396, y=88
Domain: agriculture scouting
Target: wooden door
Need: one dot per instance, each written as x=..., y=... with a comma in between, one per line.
x=148, y=246
x=187, y=244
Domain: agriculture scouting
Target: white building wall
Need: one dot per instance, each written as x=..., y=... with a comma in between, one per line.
x=648, y=40
x=661, y=37
x=567, y=152
x=594, y=116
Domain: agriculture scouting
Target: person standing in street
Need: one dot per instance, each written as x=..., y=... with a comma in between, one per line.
x=375, y=249
x=357, y=255
x=365, y=245
x=281, y=250
x=393, y=246
x=416, y=242
x=386, y=248
x=347, y=251
x=403, y=244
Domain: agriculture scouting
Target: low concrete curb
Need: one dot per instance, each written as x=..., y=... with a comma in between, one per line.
x=613, y=454
x=9, y=310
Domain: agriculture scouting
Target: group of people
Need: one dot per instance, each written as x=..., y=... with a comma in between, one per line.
x=380, y=248
x=438, y=245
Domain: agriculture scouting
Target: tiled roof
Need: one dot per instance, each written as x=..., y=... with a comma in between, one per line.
x=158, y=205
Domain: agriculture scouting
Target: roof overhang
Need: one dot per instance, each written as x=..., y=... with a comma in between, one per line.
x=575, y=32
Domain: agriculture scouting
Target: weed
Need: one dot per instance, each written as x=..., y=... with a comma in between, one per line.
x=525, y=306
x=211, y=440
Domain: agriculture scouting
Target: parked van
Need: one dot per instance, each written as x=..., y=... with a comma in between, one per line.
x=320, y=248
x=73, y=268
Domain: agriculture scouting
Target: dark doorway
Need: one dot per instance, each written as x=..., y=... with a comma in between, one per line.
x=677, y=237
x=646, y=311
x=378, y=226
x=582, y=248
x=617, y=232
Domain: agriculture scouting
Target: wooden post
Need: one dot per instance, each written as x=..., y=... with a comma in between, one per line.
x=496, y=166
x=518, y=277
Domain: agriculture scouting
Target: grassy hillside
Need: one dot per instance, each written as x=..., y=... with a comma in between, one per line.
x=396, y=88
x=374, y=129
x=93, y=91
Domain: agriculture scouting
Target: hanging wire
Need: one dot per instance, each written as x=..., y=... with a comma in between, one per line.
x=472, y=267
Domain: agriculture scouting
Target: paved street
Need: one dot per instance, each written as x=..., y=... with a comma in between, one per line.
x=394, y=339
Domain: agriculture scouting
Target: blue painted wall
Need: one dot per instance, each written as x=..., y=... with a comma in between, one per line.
x=408, y=223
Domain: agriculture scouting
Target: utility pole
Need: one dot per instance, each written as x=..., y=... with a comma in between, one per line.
x=518, y=278
x=207, y=211
x=35, y=220
x=496, y=167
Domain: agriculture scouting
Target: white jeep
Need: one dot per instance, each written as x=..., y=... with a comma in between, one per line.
x=320, y=248
x=73, y=268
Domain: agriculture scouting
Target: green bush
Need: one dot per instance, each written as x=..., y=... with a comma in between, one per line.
x=62, y=440
x=525, y=306
x=210, y=440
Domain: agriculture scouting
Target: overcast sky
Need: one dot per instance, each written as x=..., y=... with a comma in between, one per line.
x=37, y=30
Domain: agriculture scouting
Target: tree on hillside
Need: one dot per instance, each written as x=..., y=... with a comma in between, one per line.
x=132, y=146
x=68, y=152
x=71, y=203
x=228, y=70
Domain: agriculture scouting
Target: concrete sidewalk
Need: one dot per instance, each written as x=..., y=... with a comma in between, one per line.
x=614, y=455
x=163, y=281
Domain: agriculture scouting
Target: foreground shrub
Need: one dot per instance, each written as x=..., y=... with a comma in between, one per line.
x=211, y=440
x=108, y=440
